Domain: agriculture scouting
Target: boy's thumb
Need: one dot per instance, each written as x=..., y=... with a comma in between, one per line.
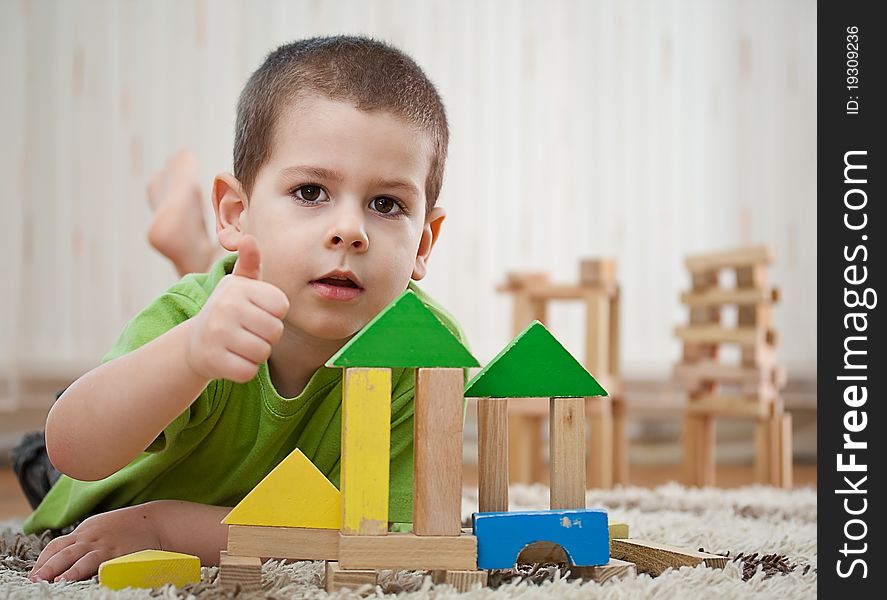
x=249, y=262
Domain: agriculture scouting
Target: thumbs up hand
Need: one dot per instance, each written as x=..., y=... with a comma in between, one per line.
x=243, y=318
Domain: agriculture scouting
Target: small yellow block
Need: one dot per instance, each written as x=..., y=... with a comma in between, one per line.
x=618, y=531
x=149, y=569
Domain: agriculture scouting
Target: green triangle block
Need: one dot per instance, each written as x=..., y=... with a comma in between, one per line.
x=405, y=334
x=534, y=365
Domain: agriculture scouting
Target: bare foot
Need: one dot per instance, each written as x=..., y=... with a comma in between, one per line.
x=178, y=230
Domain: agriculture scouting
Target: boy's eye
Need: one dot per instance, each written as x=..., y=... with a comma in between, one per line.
x=309, y=193
x=386, y=205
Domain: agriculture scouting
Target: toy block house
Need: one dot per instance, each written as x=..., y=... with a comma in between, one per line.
x=349, y=527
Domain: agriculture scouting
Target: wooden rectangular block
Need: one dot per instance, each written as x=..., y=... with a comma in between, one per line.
x=654, y=558
x=292, y=543
x=437, y=454
x=722, y=296
x=601, y=573
x=408, y=551
x=366, y=450
x=785, y=452
x=336, y=578
x=567, y=442
x=715, y=334
x=597, y=271
x=492, y=454
x=739, y=257
x=728, y=406
x=243, y=572
x=463, y=581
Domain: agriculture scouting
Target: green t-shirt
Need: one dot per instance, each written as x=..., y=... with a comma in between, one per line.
x=233, y=434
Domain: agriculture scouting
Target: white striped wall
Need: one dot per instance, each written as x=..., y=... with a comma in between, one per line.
x=638, y=129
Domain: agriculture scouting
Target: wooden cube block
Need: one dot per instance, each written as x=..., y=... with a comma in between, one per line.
x=336, y=578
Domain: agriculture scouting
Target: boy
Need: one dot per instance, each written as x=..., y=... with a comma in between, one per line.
x=338, y=161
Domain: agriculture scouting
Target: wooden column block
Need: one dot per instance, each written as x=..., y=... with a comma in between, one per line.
x=243, y=572
x=437, y=454
x=599, y=467
x=492, y=454
x=463, y=581
x=597, y=325
x=689, y=439
x=785, y=452
x=567, y=444
x=762, y=451
x=614, y=333
x=366, y=450
x=706, y=450
x=620, y=441
x=336, y=578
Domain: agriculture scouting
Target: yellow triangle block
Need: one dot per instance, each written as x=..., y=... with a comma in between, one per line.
x=294, y=494
x=149, y=569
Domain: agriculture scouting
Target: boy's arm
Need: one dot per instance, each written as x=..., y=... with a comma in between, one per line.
x=170, y=525
x=113, y=413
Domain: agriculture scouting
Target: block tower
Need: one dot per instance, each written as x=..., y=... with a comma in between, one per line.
x=716, y=388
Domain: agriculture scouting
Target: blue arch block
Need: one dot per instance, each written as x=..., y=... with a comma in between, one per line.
x=582, y=533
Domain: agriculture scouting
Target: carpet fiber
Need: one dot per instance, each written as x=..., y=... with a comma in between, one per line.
x=772, y=532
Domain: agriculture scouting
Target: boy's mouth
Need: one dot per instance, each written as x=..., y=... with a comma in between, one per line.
x=338, y=285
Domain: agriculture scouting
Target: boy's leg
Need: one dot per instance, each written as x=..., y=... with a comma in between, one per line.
x=178, y=230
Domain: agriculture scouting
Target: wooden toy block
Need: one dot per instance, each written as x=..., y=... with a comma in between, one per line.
x=534, y=365
x=597, y=271
x=405, y=334
x=738, y=257
x=463, y=581
x=337, y=578
x=612, y=570
x=618, y=531
x=619, y=444
x=492, y=454
x=240, y=572
x=366, y=441
x=501, y=537
x=785, y=451
x=149, y=569
x=693, y=375
x=720, y=296
x=600, y=462
x=437, y=454
x=567, y=456
x=597, y=347
x=276, y=501
x=728, y=406
x=408, y=551
x=753, y=276
x=653, y=558
x=293, y=543
x=519, y=279
x=715, y=334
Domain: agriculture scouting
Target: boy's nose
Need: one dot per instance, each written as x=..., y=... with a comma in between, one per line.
x=349, y=234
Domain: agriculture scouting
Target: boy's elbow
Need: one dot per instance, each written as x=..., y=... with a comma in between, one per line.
x=63, y=455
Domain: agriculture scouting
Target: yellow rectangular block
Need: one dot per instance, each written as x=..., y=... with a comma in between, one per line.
x=149, y=569
x=366, y=443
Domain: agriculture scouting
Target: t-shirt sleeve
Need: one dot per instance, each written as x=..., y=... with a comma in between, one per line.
x=167, y=311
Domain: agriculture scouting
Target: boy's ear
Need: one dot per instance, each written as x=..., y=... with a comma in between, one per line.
x=430, y=233
x=229, y=204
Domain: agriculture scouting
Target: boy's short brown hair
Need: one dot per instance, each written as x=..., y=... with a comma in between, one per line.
x=370, y=74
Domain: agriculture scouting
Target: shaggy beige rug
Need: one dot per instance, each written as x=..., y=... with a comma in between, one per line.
x=771, y=532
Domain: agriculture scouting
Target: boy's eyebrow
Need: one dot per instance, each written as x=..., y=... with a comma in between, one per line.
x=330, y=175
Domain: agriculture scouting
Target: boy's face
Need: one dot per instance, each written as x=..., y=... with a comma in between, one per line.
x=344, y=190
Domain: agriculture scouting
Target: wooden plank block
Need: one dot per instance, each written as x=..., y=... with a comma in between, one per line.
x=567, y=452
x=728, y=406
x=462, y=581
x=366, y=435
x=753, y=255
x=722, y=296
x=654, y=558
x=615, y=568
x=597, y=271
x=715, y=334
x=437, y=454
x=240, y=572
x=492, y=454
x=502, y=536
x=292, y=543
x=599, y=467
x=276, y=502
x=149, y=569
x=337, y=578
x=692, y=375
x=408, y=551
